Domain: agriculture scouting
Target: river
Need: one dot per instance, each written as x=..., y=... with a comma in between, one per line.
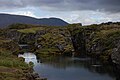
x=70, y=68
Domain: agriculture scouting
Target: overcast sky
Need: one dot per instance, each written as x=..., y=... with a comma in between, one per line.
x=72, y=11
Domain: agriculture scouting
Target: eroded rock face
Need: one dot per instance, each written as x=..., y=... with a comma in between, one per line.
x=100, y=41
x=116, y=54
x=10, y=45
x=55, y=40
x=79, y=42
x=43, y=39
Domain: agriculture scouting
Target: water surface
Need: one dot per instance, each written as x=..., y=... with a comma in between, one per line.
x=70, y=68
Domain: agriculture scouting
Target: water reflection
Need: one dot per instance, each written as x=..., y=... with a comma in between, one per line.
x=67, y=68
x=70, y=68
x=29, y=57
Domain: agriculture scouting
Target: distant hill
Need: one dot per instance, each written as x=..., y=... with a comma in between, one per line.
x=7, y=19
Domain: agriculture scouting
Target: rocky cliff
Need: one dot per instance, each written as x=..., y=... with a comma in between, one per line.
x=99, y=41
x=43, y=39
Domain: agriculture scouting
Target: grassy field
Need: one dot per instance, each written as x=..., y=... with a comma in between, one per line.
x=11, y=67
x=30, y=30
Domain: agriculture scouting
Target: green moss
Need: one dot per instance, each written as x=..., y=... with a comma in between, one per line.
x=30, y=30
x=21, y=26
x=108, y=37
x=104, y=41
x=10, y=65
x=8, y=60
x=10, y=76
x=47, y=51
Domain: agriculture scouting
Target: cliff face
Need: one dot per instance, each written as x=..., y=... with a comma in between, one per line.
x=100, y=41
x=116, y=53
x=78, y=39
x=48, y=40
x=6, y=44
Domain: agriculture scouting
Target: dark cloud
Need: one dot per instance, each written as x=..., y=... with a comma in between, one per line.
x=64, y=5
x=9, y=4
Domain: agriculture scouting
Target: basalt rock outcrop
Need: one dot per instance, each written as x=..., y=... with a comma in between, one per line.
x=116, y=53
x=100, y=41
x=43, y=39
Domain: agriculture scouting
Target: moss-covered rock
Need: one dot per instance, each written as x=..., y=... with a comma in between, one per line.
x=7, y=44
x=94, y=40
x=56, y=40
x=97, y=40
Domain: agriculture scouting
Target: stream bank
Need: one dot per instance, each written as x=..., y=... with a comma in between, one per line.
x=71, y=68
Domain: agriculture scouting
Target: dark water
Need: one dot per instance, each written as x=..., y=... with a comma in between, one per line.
x=70, y=68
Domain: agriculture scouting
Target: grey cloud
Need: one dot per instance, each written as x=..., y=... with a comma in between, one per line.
x=64, y=5
x=8, y=4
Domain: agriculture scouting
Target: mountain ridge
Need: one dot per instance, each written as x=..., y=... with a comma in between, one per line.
x=7, y=19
